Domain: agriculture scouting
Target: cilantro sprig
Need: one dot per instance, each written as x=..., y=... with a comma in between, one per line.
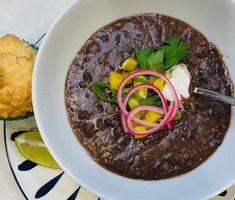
x=103, y=91
x=142, y=56
x=175, y=50
x=155, y=61
x=151, y=100
x=170, y=53
x=140, y=80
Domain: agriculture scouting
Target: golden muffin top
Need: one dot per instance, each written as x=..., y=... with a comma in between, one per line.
x=16, y=67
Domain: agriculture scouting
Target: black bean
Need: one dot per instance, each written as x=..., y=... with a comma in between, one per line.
x=88, y=129
x=82, y=84
x=108, y=123
x=117, y=130
x=87, y=95
x=110, y=110
x=219, y=69
x=111, y=68
x=100, y=108
x=93, y=48
x=82, y=67
x=101, y=60
x=83, y=114
x=117, y=39
x=202, y=52
x=87, y=77
x=104, y=38
x=99, y=123
x=165, y=168
x=116, y=118
x=77, y=124
x=124, y=140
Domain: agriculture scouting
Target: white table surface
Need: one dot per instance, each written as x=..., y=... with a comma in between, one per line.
x=28, y=19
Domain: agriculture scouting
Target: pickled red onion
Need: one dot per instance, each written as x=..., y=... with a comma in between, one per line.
x=123, y=122
x=158, y=126
x=127, y=118
x=150, y=86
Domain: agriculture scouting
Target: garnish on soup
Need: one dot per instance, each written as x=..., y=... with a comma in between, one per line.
x=143, y=87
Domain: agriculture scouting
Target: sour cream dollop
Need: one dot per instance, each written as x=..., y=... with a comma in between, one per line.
x=180, y=79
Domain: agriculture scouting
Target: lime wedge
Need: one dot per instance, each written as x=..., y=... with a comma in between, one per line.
x=32, y=147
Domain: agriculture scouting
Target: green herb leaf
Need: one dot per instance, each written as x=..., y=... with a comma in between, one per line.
x=178, y=116
x=155, y=60
x=102, y=90
x=132, y=102
x=142, y=56
x=114, y=92
x=151, y=100
x=140, y=80
x=125, y=90
x=175, y=50
x=160, y=67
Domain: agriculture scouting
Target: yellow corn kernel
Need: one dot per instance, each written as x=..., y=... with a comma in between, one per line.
x=152, y=79
x=132, y=103
x=140, y=128
x=134, y=124
x=141, y=114
x=115, y=80
x=142, y=92
x=129, y=64
x=138, y=115
x=125, y=74
x=159, y=83
x=152, y=116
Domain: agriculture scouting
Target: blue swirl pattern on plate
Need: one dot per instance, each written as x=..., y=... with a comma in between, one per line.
x=75, y=194
x=48, y=186
x=26, y=165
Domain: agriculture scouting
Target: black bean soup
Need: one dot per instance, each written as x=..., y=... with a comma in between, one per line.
x=96, y=124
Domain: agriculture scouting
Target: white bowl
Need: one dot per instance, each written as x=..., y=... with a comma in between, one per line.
x=214, y=18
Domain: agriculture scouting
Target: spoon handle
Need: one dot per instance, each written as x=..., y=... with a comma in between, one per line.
x=215, y=95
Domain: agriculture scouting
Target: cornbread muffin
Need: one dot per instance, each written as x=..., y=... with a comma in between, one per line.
x=16, y=66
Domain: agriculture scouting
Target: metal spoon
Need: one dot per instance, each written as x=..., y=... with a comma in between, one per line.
x=215, y=95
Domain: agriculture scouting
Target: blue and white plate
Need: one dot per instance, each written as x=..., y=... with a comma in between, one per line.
x=38, y=182
x=34, y=181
